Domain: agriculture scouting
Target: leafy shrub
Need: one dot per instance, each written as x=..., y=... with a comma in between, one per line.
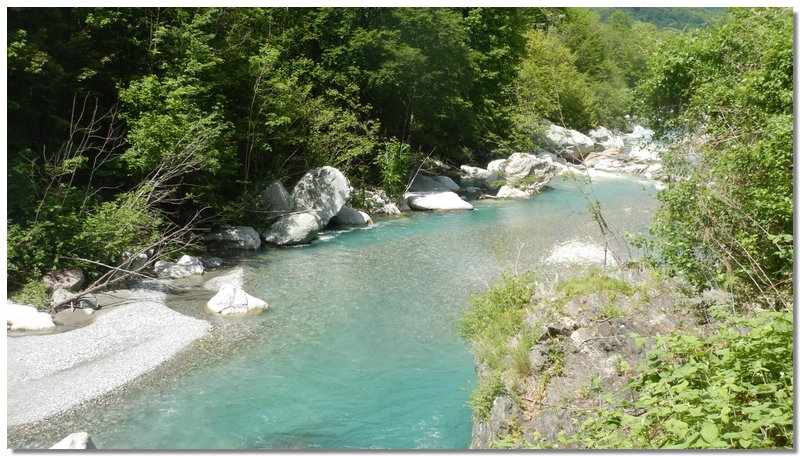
x=733, y=389
x=33, y=294
x=482, y=398
x=593, y=281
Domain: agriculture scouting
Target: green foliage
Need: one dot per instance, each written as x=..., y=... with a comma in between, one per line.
x=33, y=294
x=394, y=165
x=498, y=310
x=733, y=389
x=726, y=220
x=482, y=397
x=677, y=18
x=593, y=281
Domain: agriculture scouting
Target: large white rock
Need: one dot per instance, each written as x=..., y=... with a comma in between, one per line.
x=436, y=201
x=350, y=216
x=448, y=183
x=187, y=265
x=521, y=165
x=322, y=190
x=75, y=441
x=20, y=317
x=277, y=198
x=570, y=144
x=294, y=229
x=606, y=138
x=233, y=300
x=235, y=237
x=478, y=173
x=511, y=193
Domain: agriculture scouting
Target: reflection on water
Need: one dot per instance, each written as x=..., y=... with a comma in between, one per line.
x=358, y=349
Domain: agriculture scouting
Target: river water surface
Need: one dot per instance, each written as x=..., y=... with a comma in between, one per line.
x=358, y=349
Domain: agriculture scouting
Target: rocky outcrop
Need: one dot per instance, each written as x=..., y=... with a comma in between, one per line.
x=277, y=199
x=504, y=417
x=351, y=217
x=570, y=144
x=436, y=201
x=75, y=441
x=606, y=138
x=323, y=191
x=231, y=300
x=235, y=237
x=294, y=229
x=379, y=203
x=187, y=265
x=21, y=317
x=67, y=279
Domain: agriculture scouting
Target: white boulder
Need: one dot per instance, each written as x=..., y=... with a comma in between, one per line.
x=511, y=193
x=232, y=300
x=476, y=173
x=570, y=144
x=521, y=165
x=235, y=237
x=350, y=216
x=294, y=229
x=322, y=190
x=75, y=441
x=21, y=317
x=187, y=265
x=436, y=201
x=606, y=138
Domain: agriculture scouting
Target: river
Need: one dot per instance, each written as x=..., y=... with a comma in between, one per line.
x=358, y=349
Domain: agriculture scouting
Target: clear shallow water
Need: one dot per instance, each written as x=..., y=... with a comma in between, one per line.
x=358, y=349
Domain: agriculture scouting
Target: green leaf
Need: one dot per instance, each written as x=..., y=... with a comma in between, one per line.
x=709, y=432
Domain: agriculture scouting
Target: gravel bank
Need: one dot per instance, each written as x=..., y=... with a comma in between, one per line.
x=132, y=335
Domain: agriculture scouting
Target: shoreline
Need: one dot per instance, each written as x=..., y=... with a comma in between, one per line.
x=49, y=375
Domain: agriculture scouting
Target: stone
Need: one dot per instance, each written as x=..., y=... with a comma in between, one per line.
x=231, y=300
x=75, y=441
x=22, y=317
x=134, y=264
x=520, y=166
x=235, y=237
x=68, y=279
x=606, y=138
x=511, y=193
x=480, y=174
x=494, y=165
x=234, y=278
x=448, y=183
x=377, y=202
x=187, y=265
x=322, y=190
x=294, y=229
x=436, y=201
x=423, y=183
x=277, y=199
x=87, y=301
x=350, y=216
x=504, y=413
x=570, y=144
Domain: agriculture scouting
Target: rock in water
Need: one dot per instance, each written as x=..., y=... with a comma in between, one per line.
x=350, y=216
x=20, y=317
x=436, y=201
x=76, y=441
x=294, y=229
x=235, y=237
x=478, y=175
x=511, y=193
x=233, y=300
x=322, y=190
x=520, y=166
x=570, y=144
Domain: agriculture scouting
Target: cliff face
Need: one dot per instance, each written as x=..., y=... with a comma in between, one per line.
x=593, y=331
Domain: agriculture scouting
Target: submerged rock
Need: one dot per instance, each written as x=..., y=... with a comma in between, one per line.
x=233, y=300
x=235, y=237
x=436, y=201
x=507, y=192
x=22, y=317
x=322, y=190
x=294, y=229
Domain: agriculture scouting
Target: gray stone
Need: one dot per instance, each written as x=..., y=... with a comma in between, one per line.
x=350, y=216
x=232, y=300
x=322, y=190
x=448, y=183
x=423, y=183
x=378, y=203
x=277, y=198
x=187, y=265
x=87, y=301
x=235, y=237
x=502, y=417
x=294, y=229
x=507, y=192
x=75, y=441
x=436, y=201
x=21, y=317
x=521, y=166
x=570, y=144
x=234, y=278
x=68, y=279
x=480, y=174
x=606, y=138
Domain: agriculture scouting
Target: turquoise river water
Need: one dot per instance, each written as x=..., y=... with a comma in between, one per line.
x=358, y=349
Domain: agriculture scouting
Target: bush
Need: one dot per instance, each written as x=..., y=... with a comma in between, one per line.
x=33, y=294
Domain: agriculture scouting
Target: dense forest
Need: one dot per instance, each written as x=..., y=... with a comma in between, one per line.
x=130, y=127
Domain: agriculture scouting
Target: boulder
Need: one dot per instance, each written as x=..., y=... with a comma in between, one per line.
x=67, y=279
x=511, y=193
x=474, y=172
x=606, y=138
x=134, y=264
x=293, y=229
x=75, y=441
x=436, y=201
x=448, y=183
x=184, y=267
x=570, y=144
x=423, y=183
x=350, y=216
x=504, y=413
x=277, y=199
x=234, y=278
x=235, y=237
x=21, y=317
x=378, y=203
x=87, y=301
x=322, y=190
x=494, y=165
x=521, y=165
x=231, y=300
